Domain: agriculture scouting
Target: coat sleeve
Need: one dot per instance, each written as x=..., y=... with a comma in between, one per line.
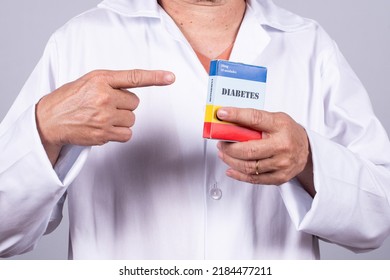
x=31, y=191
x=351, y=158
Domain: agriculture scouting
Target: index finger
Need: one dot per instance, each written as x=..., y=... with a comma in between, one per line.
x=251, y=118
x=139, y=78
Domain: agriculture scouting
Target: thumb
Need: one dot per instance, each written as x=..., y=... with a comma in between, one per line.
x=251, y=118
x=139, y=78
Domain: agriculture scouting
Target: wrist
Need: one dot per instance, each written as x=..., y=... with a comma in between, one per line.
x=306, y=177
x=51, y=146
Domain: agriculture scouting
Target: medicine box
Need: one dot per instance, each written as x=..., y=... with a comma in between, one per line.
x=233, y=84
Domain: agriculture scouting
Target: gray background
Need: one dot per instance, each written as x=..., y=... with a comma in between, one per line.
x=361, y=28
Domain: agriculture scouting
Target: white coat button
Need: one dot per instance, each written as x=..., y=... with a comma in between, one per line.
x=215, y=193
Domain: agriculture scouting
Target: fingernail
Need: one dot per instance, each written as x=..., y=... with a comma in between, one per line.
x=265, y=135
x=169, y=78
x=219, y=145
x=222, y=113
x=229, y=172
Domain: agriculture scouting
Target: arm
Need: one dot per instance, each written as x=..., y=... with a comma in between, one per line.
x=94, y=109
x=348, y=159
x=29, y=187
x=56, y=130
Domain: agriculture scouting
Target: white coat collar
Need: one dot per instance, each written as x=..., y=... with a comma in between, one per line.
x=266, y=12
x=132, y=8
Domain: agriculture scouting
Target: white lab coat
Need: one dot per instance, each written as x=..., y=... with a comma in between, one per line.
x=150, y=198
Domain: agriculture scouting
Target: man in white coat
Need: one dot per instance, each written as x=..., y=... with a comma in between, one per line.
x=125, y=146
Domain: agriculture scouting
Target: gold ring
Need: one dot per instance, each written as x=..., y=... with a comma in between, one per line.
x=257, y=167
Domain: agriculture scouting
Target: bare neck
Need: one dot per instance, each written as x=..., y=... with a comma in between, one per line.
x=210, y=26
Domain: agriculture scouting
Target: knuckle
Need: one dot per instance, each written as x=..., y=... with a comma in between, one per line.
x=134, y=77
x=284, y=163
x=281, y=120
x=125, y=136
x=282, y=178
x=100, y=137
x=256, y=117
x=252, y=179
x=128, y=135
x=97, y=75
x=251, y=151
x=288, y=144
x=129, y=119
x=103, y=99
x=92, y=74
x=101, y=119
x=283, y=145
x=134, y=101
x=132, y=119
x=247, y=167
x=130, y=98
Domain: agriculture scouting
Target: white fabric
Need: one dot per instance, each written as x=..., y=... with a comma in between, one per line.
x=149, y=198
